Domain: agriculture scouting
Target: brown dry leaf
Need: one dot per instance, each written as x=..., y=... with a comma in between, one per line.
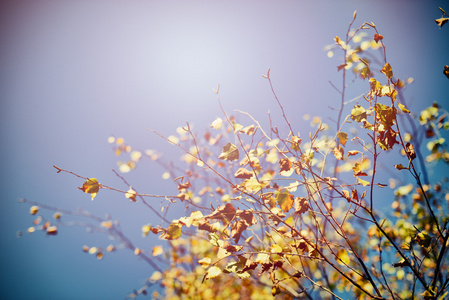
x=243, y=173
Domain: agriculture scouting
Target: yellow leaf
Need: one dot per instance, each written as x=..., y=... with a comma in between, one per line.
x=441, y=21
x=91, y=186
x=131, y=194
x=237, y=127
x=173, y=232
x=343, y=257
x=196, y=216
x=343, y=137
x=403, y=190
x=403, y=108
x=276, y=248
x=363, y=182
x=34, y=210
x=213, y=272
x=387, y=70
x=292, y=187
x=262, y=258
x=230, y=152
x=157, y=250
x=249, y=130
x=253, y=186
x=222, y=253
x=205, y=262
x=285, y=200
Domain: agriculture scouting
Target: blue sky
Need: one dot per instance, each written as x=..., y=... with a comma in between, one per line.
x=75, y=72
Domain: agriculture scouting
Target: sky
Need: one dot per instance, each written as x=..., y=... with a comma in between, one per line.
x=73, y=73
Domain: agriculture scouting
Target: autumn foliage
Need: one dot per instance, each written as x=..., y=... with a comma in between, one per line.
x=294, y=214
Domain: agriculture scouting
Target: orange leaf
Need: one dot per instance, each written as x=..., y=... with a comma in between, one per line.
x=378, y=37
x=342, y=66
x=353, y=152
x=355, y=195
x=285, y=200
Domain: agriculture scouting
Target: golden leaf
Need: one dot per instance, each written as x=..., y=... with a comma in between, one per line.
x=363, y=182
x=131, y=194
x=34, y=210
x=387, y=70
x=216, y=124
x=213, y=272
x=205, y=262
x=91, y=186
